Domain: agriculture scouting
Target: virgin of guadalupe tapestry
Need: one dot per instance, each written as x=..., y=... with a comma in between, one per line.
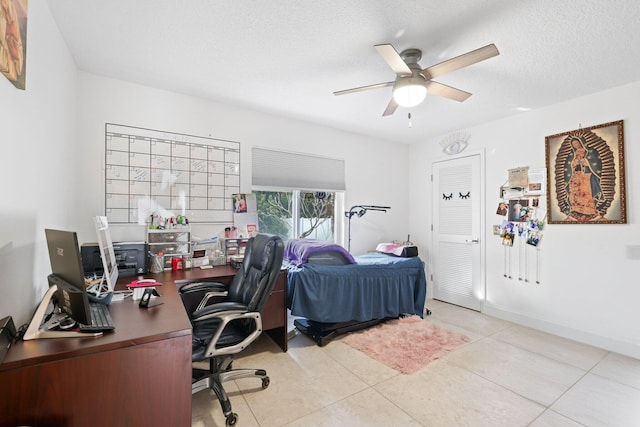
x=585, y=176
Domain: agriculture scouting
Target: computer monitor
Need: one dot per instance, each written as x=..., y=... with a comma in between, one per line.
x=107, y=253
x=67, y=274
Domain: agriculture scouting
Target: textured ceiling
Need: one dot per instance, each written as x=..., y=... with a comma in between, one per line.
x=288, y=57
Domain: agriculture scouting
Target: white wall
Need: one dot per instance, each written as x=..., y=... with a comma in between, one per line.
x=368, y=161
x=589, y=288
x=37, y=164
x=52, y=165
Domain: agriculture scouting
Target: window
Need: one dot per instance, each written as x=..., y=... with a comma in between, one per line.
x=297, y=214
x=304, y=212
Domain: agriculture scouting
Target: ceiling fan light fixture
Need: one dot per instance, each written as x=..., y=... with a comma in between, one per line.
x=409, y=92
x=410, y=85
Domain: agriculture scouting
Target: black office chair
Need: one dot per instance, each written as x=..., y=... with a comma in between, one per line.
x=225, y=321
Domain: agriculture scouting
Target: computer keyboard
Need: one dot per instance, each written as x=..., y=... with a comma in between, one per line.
x=100, y=319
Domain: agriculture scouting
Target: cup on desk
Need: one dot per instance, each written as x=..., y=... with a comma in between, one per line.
x=186, y=262
x=176, y=263
x=157, y=263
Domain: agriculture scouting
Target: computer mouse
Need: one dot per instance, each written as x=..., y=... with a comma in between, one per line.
x=67, y=323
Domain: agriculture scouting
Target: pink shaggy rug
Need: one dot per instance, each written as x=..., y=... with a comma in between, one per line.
x=405, y=344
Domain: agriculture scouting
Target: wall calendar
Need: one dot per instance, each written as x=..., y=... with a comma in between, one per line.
x=169, y=174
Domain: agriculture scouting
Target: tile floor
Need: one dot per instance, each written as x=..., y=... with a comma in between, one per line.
x=507, y=375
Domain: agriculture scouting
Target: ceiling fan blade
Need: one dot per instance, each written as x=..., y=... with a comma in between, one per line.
x=392, y=57
x=461, y=61
x=361, y=88
x=391, y=108
x=435, y=88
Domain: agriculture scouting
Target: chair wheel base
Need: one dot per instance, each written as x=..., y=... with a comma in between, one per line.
x=232, y=419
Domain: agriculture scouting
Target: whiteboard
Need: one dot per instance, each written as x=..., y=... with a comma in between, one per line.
x=150, y=171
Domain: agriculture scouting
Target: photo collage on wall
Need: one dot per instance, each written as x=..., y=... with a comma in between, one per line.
x=522, y=209
x=245, y=216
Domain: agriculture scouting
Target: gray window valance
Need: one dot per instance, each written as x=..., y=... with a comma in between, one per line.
x=281, y=169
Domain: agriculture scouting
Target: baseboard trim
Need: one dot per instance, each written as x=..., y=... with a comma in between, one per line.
x=616, y=346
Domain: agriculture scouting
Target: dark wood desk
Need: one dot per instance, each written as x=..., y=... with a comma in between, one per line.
x=139, y=374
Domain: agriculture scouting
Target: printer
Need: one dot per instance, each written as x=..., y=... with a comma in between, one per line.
x=130, y=256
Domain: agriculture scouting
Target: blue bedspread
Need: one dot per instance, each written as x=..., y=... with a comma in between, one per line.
x=377, y=286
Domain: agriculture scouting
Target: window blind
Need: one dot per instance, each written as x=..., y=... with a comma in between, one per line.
x=281, y=169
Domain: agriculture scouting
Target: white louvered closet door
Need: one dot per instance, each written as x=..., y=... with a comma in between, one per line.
x=456, y=259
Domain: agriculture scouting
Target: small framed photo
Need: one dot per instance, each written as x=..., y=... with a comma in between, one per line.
x=517, y=211
x=507, y=240
x=534, y=238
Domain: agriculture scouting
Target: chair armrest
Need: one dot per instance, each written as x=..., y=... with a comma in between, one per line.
x=218, y=309
x=227, y=312
x=202, y=287
x=226, y=317
x=203, y=290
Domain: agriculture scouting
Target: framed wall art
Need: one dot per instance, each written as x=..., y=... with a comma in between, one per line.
x=585, y=175
x=13, y=41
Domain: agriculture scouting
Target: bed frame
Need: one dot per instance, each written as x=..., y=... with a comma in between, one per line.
x=323, y=333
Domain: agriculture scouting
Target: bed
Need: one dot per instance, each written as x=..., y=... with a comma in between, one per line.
x=333, y=292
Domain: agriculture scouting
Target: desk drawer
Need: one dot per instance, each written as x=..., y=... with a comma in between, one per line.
x=163, y=236
x=169, y=248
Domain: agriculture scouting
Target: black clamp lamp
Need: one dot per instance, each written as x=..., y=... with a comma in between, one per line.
x=359, y=211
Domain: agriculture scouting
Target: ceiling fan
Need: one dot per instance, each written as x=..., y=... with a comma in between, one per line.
x=413, y=82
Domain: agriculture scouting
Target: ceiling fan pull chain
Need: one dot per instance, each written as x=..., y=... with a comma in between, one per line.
x=409, y=117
